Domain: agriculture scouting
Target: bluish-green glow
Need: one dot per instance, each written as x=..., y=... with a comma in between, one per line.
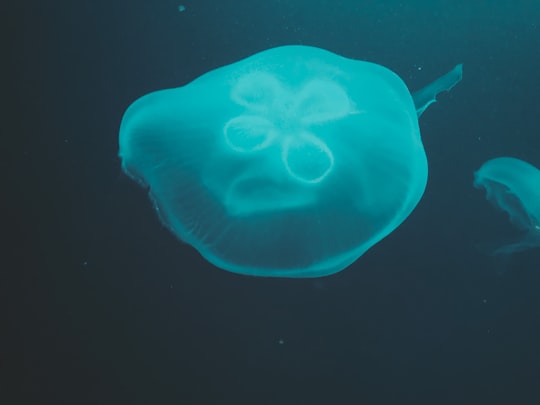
x=290, y=163
x=514, y=186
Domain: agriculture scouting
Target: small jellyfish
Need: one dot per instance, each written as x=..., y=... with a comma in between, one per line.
x=181, y=8
x=513, y=186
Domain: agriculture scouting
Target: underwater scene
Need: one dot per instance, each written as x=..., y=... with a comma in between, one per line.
x=279, y=202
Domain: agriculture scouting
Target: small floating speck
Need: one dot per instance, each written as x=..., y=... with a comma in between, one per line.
x=181, y=8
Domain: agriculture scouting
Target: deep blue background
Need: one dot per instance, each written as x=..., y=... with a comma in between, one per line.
x=103, y=306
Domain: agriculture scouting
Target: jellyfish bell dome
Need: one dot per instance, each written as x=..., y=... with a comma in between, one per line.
x=290, y=163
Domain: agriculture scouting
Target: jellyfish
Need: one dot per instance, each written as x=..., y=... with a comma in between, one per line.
x=290, y=163
x=513, y=186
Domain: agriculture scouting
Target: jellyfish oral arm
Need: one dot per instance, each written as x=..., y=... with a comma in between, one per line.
x=426, y=96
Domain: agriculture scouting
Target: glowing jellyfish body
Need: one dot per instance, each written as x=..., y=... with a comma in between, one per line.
x=514, y=186
x=290, y=163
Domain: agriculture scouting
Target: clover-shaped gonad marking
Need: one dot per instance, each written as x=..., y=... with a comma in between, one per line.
x=277, y=114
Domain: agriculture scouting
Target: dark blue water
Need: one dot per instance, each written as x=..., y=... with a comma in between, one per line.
x=104, y=306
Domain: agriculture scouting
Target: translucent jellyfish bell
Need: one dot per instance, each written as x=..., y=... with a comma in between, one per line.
x=290, y=163
x=513, y=186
